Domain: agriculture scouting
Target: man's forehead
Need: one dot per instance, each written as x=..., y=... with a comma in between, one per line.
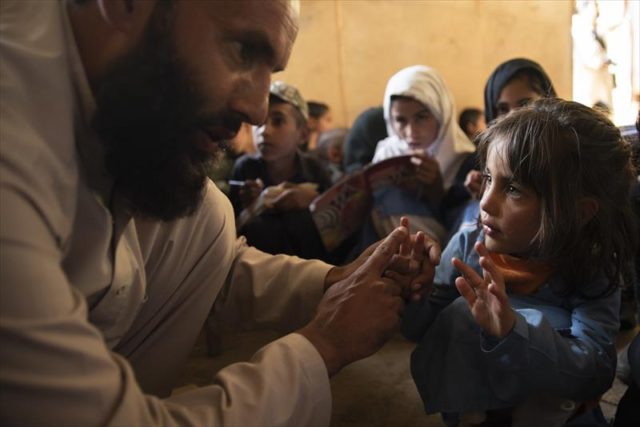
x=275, y=20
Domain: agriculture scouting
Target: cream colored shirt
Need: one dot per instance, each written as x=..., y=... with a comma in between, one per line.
x=77, y=277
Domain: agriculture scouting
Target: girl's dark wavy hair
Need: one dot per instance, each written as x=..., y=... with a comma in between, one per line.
x=565, y=152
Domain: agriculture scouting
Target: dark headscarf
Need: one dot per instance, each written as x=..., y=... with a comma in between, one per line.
x=501, y=75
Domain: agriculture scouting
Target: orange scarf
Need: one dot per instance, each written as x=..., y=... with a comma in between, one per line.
x=521, y=276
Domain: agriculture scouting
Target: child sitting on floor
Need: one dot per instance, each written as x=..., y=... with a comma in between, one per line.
x=521, y=324
x=280, y=167
x=421, y=121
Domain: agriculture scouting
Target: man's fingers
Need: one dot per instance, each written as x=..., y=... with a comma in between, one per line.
x=399, y=305
x=378, y=261
x=404, y=265
x=433, y=249
x=390, y=286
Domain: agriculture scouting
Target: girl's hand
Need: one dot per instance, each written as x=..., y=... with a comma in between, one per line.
x=413, y=267
x=486, y=296
x=428, y=170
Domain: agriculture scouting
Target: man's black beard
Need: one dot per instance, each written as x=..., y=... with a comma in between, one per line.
x=149, y=110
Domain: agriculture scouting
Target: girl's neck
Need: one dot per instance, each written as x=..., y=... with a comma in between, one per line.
x=282, y=169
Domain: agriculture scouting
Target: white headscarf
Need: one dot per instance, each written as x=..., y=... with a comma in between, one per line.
x=425, y=85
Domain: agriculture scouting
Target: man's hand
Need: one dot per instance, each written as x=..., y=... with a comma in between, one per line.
x=486, y=295
x=359, y=314
x=413, y=267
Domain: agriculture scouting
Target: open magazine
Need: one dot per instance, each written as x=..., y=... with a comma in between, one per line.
x=342, y=209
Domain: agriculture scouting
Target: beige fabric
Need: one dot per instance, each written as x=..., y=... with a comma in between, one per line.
x=98, y=311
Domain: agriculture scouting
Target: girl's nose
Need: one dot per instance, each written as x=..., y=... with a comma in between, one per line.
x=488, y=201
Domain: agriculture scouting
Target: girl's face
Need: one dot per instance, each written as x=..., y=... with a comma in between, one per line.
x=510, y=212
x=517, y=93
x=414, y=123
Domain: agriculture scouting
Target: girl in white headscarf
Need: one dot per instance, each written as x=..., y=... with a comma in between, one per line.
x=421, y=120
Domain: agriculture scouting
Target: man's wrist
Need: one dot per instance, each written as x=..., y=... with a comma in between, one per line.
x=330, y=355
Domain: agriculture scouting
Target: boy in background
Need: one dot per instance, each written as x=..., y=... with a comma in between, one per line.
x=329, y=150
x=320, y=120
x=472, y=122
x=281, y=179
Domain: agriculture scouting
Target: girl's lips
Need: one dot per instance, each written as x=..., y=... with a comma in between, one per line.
x=489, y=230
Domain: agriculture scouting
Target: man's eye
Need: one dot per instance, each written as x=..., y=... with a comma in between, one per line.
x=244, y=53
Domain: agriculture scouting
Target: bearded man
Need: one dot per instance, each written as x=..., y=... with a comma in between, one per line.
x=114, y=245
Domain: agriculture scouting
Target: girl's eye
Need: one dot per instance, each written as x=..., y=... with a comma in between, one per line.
x=401, y=121
x=513, y=190
x=502, y=109
x=524, y=102
x=486, y=177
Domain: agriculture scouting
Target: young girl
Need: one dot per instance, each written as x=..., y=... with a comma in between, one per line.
x=513, y=84
x=421, y=120
x=533, y=334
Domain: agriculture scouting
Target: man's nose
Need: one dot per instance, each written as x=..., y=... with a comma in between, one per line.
x=252, y=97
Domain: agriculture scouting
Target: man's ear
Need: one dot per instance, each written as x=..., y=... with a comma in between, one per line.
x=587, y=209
x=120, y=14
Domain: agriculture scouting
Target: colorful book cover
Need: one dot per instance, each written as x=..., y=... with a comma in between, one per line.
x=342, y=209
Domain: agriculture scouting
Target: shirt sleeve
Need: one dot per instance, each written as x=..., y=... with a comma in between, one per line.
x=55, y=368
x=279, y=292
x=246, y=393
x=577, y=362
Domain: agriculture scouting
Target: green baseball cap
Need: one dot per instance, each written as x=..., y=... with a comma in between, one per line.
x=290, y=95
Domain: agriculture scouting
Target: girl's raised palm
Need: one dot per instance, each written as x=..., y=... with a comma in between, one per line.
x=486, y=296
